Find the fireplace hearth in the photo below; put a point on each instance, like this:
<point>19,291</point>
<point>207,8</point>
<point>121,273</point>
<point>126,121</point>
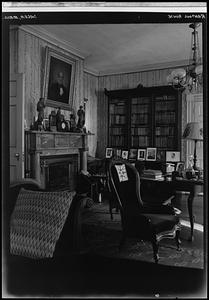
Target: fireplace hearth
<point>59,172</point>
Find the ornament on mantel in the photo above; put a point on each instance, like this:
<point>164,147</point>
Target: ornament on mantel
<point>139,86</point>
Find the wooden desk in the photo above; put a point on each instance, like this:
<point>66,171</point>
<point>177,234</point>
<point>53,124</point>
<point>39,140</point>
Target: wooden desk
<point>163,189</point>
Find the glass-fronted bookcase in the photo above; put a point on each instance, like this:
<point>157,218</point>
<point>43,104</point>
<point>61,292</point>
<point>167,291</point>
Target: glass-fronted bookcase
<point>144,117</point>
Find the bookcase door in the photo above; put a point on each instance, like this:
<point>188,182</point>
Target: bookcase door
<point>165,121</point>
<point>141,131</point>
<point>118,123</point>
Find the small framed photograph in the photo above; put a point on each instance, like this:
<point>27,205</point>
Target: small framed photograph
<point>151,154</point>
<point>170,168</point>
<point>118,152</point>
<point>180,167</point>
<point>109,152</point>
<point>133,154</point>
<point>172,156</point>
<point>125,154</point>
<point>161,155</point>
<point>141,154</point>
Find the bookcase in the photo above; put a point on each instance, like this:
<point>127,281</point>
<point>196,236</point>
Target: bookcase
<point>144,117</point>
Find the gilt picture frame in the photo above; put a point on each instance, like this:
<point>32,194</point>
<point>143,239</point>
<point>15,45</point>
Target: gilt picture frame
<point>59,79</point>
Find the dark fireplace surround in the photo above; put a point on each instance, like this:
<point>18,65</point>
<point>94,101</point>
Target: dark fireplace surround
<point>55,159</point>
<point>59,172</point>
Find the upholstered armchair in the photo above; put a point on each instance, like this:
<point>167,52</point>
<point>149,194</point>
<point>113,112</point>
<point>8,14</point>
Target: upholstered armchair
<point>141,220</point>
<point>43,224</point>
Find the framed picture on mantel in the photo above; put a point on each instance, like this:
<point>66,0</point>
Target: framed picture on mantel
<point>59,79</point>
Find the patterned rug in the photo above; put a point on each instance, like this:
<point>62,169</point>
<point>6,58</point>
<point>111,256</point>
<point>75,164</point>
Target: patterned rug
<point>101,236</point>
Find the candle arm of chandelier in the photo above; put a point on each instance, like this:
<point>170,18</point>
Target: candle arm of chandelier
<point>192,75</point>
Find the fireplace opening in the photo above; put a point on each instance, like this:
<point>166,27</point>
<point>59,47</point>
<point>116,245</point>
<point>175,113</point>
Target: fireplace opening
<point>58,176</point>
<point>61,172</point>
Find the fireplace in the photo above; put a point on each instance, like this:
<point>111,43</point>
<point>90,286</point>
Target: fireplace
<point>54,159</point>
<point>59,172</point>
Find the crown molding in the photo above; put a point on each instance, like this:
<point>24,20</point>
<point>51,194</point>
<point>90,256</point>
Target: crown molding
<point>144,68</point>
<point>91,71</point>
<point>38,31</point>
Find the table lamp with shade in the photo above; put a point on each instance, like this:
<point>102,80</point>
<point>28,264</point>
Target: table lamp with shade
<point>193,131</point>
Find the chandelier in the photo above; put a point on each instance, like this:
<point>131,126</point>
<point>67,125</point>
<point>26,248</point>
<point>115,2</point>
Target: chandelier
<point>190,77</point>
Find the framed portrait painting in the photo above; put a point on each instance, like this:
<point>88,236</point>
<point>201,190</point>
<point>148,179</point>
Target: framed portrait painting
<point>59,79</point>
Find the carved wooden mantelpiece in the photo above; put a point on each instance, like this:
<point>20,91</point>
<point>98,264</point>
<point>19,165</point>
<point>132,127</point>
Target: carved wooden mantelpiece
<point>42,145</point>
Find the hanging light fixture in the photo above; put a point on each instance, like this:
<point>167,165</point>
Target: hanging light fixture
<point>190,77</point>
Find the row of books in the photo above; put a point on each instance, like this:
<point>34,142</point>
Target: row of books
<point>118,119</point>
<point>141,100</point>
<point>165,98</point>
<point>167,118</point>
<point>140,130</point>
<point>164,142</point>
<point>165,106</point>
<point>140,118</point>
<point>117,109</point>
<point>117,131</point>
<point>140,108</point>
<point>165,130</point>
<point>117,140</point>
<point>142,141</point>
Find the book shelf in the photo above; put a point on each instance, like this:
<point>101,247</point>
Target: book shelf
<point>144,117</point>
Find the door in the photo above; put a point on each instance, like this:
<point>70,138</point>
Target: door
<point>16,109</point>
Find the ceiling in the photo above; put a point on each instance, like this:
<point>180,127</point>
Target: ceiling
<point>118,48</point>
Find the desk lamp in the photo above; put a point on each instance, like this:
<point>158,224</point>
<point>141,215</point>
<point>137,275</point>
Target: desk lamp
<point>194,132</point>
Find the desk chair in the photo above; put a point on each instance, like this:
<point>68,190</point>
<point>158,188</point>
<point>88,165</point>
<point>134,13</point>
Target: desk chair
<point>141,220</point>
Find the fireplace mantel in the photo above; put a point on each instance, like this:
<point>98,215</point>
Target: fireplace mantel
<point>40,145</point>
